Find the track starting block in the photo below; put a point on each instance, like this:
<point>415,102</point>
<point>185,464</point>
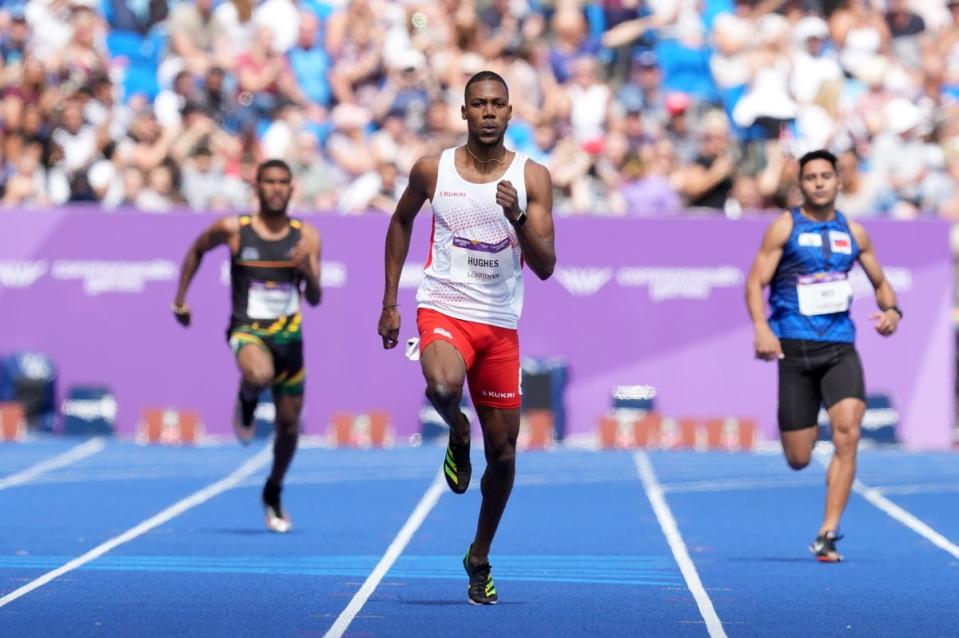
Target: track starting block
<point>536,430</point>
<point>363,430</point>
<point>626,428</point>
<point>169,426</point>
<point>13,421</point>
<point>641,429</point>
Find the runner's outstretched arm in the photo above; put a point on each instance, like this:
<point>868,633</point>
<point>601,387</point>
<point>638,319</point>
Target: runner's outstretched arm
<point>398,245</point>
<point>766,344</point>
<point>219,233</point>
<point>887,319</point>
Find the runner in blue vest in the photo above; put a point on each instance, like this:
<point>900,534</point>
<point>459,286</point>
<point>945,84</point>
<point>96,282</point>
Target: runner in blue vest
<point>805,258</point>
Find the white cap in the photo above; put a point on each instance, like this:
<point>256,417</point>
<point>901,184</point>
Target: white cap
<point>810,27</point>
<point>901,115</point>
<point>408,59</point>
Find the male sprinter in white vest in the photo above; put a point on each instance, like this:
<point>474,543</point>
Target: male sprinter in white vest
<point>805,259</point>
<point>492,213</point>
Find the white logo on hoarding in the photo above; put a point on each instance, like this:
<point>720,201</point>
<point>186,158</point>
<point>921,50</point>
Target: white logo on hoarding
<point>679,283</point>
<point>333,274</point>
<point>583,282</point>
<point>114,276</point>
<point>21,274</point>
<point>90,409</point>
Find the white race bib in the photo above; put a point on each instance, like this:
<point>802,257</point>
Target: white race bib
<point>269,300</point>
<point>475,262</point>
<point>824,293</point>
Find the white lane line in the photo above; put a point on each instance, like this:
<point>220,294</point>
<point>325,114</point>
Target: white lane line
<point>906,518</point>
<point>918,488</point>
<point>78,453</point>
<point>671,530</point>
<point>422,510</point>
<point>895,512</point>
<point>736,484</point>
<point>255,463</point>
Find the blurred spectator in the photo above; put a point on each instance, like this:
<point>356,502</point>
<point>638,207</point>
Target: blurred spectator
<point>811,64</point>
<point>213,97</point>
<point>264,80</point>
<point>28,86</point>
<point>709,180</point>
<point>861,32</point>
<point>193,33</point>
<point>310,62</point>
<point>159,195</point>
<point>282,18</point>
<point>202,177</point>
<point>78,141</point>
<point>624,101</point>
<point>33,185</point>
<point>314,177</point>
<point>234,29</point>
<point>900,158</point>
<point>678,128</point>
<point>84,56</point>
<point>170,102</point>
<point>647,188</point>
<point>13,45</point>
<point>767,101</point>
<point>588,102</point>
<point>571,40</point>
<point>858,192</point>
<point>347,144</point>
<point>406,91</point>
<point>355,40</point>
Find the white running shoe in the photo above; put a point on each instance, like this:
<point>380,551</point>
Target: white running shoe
<point>277,521</point>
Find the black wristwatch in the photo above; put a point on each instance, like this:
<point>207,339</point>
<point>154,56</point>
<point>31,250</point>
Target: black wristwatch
<point>897,309</point>
<point>520,219</point>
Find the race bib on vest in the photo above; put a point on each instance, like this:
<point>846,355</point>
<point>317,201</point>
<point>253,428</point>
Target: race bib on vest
<point>476,262</point>
<point>824,293</point>
<point>269,300</point>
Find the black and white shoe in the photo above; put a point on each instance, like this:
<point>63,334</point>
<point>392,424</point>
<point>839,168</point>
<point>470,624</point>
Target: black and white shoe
<point>824,547</point>
<point>277,520</point>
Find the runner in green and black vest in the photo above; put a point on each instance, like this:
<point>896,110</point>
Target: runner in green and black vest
<point>275,261</point>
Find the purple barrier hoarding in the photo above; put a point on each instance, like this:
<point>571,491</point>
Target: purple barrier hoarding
<point>633,301</point>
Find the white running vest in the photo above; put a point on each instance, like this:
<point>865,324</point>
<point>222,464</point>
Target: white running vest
<point>474,270</point>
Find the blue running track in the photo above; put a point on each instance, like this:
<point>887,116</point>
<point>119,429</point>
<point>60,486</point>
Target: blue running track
<point>581,550</point>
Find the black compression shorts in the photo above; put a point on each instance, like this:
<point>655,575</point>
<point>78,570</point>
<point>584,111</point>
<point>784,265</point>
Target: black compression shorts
<point>813,373</point>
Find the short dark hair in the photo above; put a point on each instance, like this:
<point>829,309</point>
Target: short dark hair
<point>272,163</point>
<point>482,76</point>
<point>822,154</point>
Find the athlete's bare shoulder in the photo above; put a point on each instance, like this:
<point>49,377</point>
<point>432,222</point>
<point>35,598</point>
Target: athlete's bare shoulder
<point>224,230</point>
<point>858,232</point>
<point>229,223</point>
<point>309,230</point>
<point>538,179</point>
<point>424,173</point>
<point>782,226</point>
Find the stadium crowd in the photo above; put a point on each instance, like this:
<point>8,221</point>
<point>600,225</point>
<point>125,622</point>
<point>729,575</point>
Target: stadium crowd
<point>638,107</point>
